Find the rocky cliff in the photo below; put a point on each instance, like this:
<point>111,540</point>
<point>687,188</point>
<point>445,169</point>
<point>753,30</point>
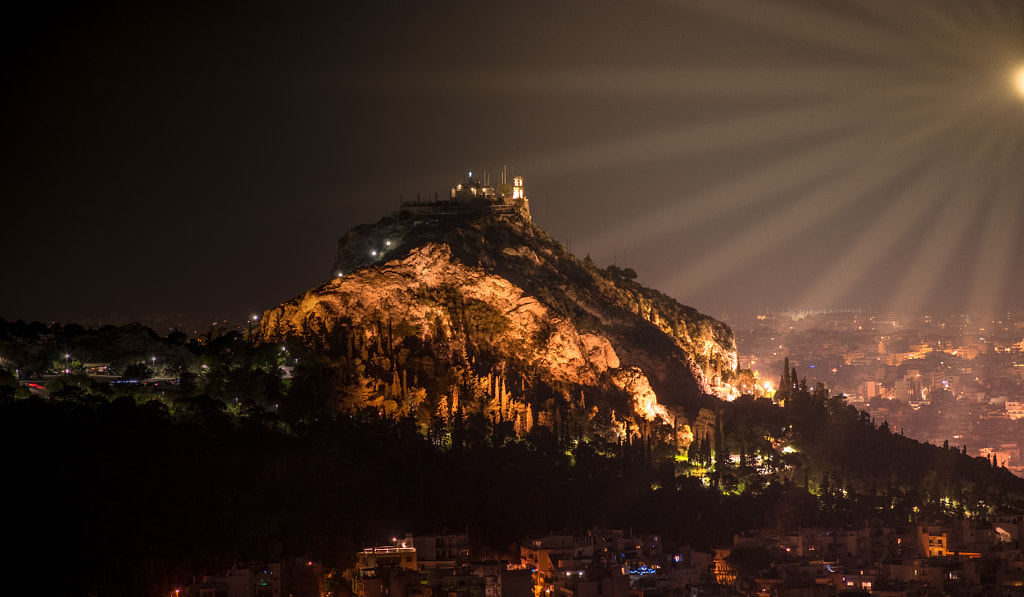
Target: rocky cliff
<point>495,295</point>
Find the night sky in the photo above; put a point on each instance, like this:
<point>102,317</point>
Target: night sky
<point>203,158</point>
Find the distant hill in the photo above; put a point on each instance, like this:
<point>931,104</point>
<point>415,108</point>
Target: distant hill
<point>525,318</point>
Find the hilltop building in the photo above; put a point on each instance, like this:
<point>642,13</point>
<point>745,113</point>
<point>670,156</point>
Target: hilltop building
<point>478,196</point>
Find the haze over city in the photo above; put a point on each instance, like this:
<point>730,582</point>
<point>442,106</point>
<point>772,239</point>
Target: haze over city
<point>195,158</point>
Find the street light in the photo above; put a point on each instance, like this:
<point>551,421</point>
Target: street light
<point>252,318</point>
<point>66,368</point>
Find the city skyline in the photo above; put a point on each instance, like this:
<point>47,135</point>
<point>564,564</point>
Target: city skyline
<point>738,156</point>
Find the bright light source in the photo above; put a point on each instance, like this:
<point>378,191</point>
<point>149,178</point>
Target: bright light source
<point>1018,80</point>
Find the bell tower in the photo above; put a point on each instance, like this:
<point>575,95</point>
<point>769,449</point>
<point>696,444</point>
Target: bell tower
<point>519,197</point>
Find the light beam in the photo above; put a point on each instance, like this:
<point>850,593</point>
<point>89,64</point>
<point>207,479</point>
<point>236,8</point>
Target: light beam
<point>1018,80</point>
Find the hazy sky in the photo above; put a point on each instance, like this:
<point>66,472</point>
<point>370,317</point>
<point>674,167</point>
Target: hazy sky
<point>177,157</point>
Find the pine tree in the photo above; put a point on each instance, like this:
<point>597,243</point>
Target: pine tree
<point>693,451</point>
<point>458,428</point>
<point>783,393</point>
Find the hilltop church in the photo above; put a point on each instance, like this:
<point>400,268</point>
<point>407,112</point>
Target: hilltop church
<point>506,198</point>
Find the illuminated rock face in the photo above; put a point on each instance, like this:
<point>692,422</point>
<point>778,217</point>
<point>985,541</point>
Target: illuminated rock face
<point>645,402</point>
<point>500,290</point>
<point>423,291</point>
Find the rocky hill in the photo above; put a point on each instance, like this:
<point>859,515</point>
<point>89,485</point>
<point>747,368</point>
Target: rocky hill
<point>535,325</point>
